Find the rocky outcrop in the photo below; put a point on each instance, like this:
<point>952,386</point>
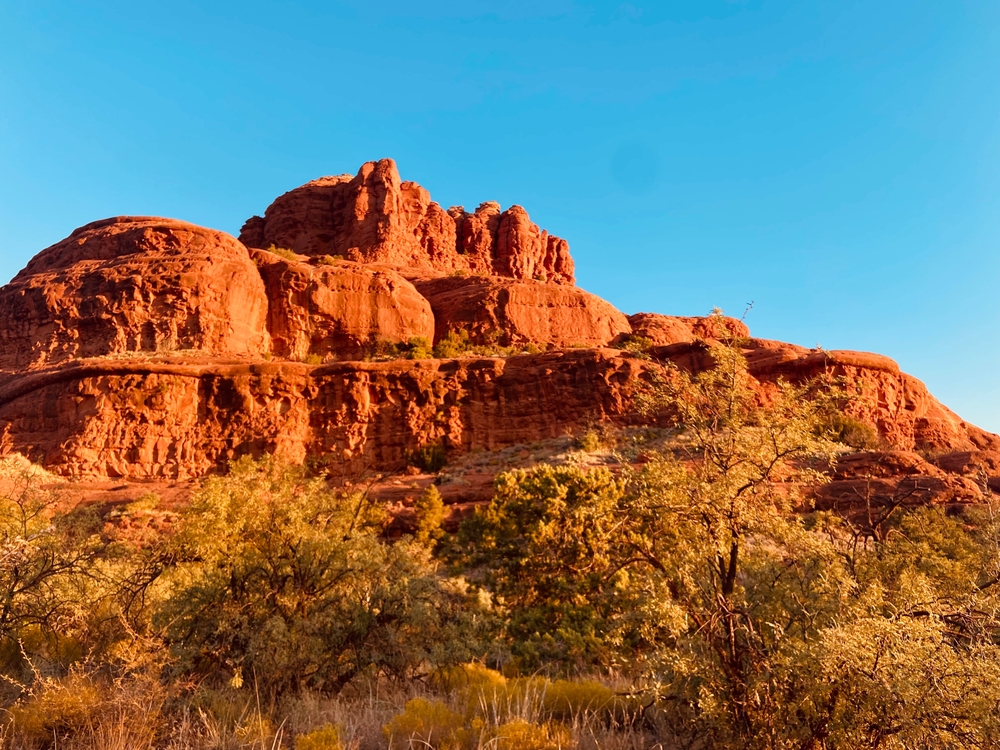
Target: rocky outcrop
<point>875,484</point>
<point>133,285</point>
<point>181,418</point>
<point>150,349</point>
<point>663,330</point>
<point>495,310</point>
<point>338,310</point>
<point>375,217</point>
<point>898,405</point>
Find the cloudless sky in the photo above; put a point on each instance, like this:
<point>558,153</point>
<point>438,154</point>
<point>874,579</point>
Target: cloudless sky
<point>836,162</point>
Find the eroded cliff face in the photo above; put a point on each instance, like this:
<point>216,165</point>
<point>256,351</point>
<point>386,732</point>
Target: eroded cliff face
<point>129,285</point>
<point>374,217</point>
<point>150,349</point>
<point>340,309</point>
<point>508,312</point>
<point>181,418</point>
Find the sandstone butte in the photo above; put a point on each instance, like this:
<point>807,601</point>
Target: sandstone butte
<point>144,350</point>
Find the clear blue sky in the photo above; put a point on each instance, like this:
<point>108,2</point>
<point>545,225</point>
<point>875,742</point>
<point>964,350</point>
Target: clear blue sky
<point>836,162</point>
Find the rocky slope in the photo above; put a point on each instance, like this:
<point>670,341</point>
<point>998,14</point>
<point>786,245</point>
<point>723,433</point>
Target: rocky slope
<point>142,348</point>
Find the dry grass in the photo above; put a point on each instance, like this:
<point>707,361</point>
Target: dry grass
<point>79,714</point>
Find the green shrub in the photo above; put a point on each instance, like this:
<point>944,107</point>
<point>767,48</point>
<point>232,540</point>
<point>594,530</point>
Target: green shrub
<point>430,458</point>
<point>455,344</point>
<point>312,359</point>
<point>590,441</point>
<point>851,431</point>
<point>283,579</point>
<point>430,513</point>
<point>635,344</point>
<point>419,348</point>
<point>380,349</point>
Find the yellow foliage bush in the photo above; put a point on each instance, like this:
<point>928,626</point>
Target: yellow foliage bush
<point>522,735</point>
<point>566,698</point>
<point>430,722</point>
<point>469,677</point>
<point>56,706</point>
<point>324,738</point>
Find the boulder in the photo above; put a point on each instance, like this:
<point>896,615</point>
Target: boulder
<point>133,285</point>
<point>497,310</point>
<point>663,330</point>
<point>338,309</point>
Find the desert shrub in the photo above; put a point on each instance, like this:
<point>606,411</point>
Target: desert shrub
<point>50,579</point>
<point>431,458</point>
<point>282,579</point>
<point>380,349</point>
<point>541,543</point>
<point>453,345</point>
<point>283,252</point>
<point>635,344</point>
<point>851,431</point>
<point>328,260</point>
<point>564,699</point>
<point>419,348</point>
<point>312,359</point>
<point>752,626</point>
<point>519,734</point>
<point>429,723</point>
<point>457,344</point>
<point>324,738</point>
<point>81,710</point>
<point>430,513</point>
<point>590,441</point>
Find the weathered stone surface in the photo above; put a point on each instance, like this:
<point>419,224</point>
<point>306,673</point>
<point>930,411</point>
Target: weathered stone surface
<point>982,467</point>
<point>874,483</point>
<point>664,330</point>
<point>511,313</point>
<point>898,405</point>
<point>147,348</point>
<point>338,310</point>
<point>375,217</point>
<point>179,418</point>
<point>130,285</point>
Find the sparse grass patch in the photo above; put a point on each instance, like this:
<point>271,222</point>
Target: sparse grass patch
<point>283,252</point>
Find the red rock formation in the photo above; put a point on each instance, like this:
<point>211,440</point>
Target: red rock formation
<point>664,330</point>
<point>339,310</point>
<point>898,405</point>
<point>181,418</point>
<point>513,313</point>
<point>130,285</point>
<point>875,483</point>
<point>190,317</point>
<point>376,218</point>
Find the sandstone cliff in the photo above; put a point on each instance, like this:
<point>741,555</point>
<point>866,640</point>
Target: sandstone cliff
<point>375,217</point>
<point>146,348</point>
